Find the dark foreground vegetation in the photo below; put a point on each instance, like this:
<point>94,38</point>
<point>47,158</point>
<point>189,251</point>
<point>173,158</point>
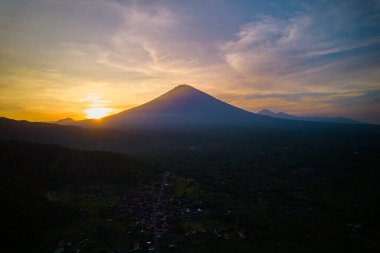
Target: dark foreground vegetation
<point>38,179</point>
<point>299,189</point>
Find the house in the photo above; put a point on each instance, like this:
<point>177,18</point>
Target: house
<point>136,246</point>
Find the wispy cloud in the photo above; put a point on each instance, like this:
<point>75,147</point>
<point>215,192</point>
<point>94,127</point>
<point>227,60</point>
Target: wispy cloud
<point>300,52</point>
<point>291,56</point>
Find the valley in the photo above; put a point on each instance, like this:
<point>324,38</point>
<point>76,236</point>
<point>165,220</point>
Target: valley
<point>104,202</point>
<point>236,182</point>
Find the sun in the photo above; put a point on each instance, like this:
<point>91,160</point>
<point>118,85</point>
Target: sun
<point>97,113</point>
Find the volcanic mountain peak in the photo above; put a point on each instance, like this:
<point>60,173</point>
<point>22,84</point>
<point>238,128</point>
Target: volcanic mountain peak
<point>183,91</point>
<point>184,88</point>
<point>182,106</point>
<point>183,99</point>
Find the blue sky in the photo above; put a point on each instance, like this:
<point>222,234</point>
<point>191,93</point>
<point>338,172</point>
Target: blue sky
<point>60,58</point>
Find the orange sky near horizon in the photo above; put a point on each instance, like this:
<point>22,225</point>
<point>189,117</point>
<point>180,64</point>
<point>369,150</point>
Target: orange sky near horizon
<point>86,59</point>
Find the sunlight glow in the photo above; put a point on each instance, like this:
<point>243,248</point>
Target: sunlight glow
<point>97,113</point>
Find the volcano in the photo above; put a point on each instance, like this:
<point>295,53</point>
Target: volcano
<point>182,107</point>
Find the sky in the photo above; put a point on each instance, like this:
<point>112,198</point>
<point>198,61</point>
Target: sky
<point>88,58</point>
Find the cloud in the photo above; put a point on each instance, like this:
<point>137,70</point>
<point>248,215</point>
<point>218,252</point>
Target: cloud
<point>295,57</point>
<point>129,53</point>
<point>315,50</point>
<point>260,43</point>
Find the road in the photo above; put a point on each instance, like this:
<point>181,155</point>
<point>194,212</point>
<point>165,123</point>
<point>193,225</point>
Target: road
<point>157,207</point>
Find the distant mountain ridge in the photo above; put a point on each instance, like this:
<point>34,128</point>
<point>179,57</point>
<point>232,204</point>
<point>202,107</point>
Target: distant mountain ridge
<point>186,107</point>
<point>66,121</point>
<point>282,115</point>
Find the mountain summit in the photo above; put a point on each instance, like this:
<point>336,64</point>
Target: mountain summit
<point>184,106</point>
<point>185,99</point>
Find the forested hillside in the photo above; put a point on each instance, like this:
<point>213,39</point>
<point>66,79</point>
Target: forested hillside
<point>29,172</point>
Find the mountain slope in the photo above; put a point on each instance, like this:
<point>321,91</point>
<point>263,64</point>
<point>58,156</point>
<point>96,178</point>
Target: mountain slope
<point>183,106</point>
<point>186,107</point>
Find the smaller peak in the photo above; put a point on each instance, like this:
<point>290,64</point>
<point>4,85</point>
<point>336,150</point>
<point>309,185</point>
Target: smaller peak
<point>66,120</point>
<point>264,111</point>
<point>283,114</point>
<point>267,112</point>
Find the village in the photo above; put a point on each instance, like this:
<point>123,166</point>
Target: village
<point>155,218</point>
